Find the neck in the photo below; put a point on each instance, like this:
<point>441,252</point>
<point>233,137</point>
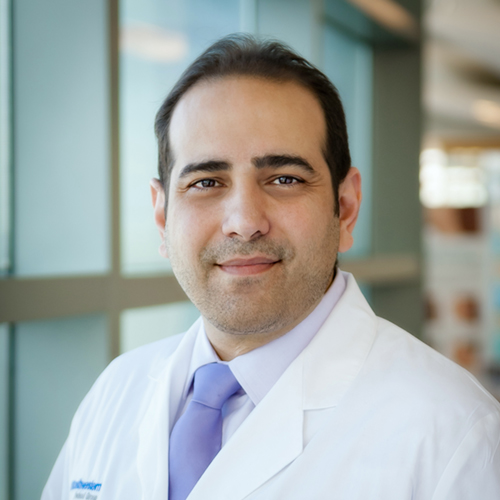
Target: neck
<point>230,345</point>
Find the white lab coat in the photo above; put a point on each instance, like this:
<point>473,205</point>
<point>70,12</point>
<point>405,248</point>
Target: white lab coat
<point>366,412</point>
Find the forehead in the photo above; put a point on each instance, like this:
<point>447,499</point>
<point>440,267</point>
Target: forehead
<point>241,117</point>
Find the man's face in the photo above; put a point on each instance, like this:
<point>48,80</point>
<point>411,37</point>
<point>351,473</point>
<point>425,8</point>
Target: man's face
<point>251,232</point>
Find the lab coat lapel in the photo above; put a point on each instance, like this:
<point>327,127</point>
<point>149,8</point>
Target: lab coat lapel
<point>268,440</point>
<point>273,434</point>
<point>337,353</point>
<point>168,377</point>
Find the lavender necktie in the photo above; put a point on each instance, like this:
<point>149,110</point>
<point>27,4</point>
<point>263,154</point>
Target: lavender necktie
<point>197,436</point>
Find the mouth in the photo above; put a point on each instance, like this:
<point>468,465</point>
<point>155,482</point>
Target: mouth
<point>247,266</point>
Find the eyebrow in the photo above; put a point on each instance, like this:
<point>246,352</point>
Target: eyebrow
<point>204,166</point>
<point>267,161</point>
<point>278,161</point>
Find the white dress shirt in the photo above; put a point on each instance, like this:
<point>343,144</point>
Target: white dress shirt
<point>258,370</point>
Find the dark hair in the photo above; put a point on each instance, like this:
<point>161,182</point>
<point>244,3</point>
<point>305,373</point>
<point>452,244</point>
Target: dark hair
<point>242,54</point>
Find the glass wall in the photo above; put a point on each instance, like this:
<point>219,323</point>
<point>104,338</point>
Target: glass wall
<point>4,410</point>
<point>348,63</point>
<point>54,223</point>
<point>148,324</point>
<point>4,136</point>
<point>5,212</point>
<point>61,145</point>
<point>294,22</point>
<point>56,362</point>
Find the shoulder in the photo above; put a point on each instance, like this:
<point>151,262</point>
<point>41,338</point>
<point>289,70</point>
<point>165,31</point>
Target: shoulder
<point>399,370</point>
<point>426,379</point>
<point>127,378</point>
<point>144,358</point>
<point>138,364</point>
<point>453,418</point>
<point>120,395</point>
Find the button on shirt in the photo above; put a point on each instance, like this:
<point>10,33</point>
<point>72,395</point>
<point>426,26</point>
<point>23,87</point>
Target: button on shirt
<point>258,370</point>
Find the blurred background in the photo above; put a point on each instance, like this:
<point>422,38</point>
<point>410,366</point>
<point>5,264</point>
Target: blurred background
<point>81,280</point>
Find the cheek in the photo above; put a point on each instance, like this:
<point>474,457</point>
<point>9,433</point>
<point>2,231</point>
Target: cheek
<point>190,228</point>
<point>307,222</point>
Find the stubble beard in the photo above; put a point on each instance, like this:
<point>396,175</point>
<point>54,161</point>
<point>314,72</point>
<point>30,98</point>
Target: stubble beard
<point>263,303</point>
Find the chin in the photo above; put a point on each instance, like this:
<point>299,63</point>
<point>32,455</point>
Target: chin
<point>248,326</point>
<point>238,314</point>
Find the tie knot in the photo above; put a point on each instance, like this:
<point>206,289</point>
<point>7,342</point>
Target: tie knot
<point>214,384</point>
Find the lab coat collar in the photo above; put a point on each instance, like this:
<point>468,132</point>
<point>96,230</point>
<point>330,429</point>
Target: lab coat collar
<point>336,355</point>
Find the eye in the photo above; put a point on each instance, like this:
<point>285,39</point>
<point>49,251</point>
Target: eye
<point>205,184</point>
<point>286,179</point>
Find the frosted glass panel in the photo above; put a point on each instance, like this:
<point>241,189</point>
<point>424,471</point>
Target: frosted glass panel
<point>148,324</point>
<point>348,64</point>
<point>159,38</point>
<point>292,22</point>
<point>56,363</point>
<point>4,411</point>
<point>61,137</point>
<point>5,99</point>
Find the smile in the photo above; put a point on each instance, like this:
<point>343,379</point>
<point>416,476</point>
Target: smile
<point>247,267</point>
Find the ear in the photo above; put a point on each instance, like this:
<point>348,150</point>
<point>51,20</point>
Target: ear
<point>349,203</point>
<point>158,198</point>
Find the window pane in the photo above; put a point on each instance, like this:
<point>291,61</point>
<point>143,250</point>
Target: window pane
<point>159,39</point>
<point>4,409</point>
<point>148,324</point>
<point>61,137</point>
<point>5,137</point>
<point>348,63</point>
<point>292,22</point>
<point>56,363</point>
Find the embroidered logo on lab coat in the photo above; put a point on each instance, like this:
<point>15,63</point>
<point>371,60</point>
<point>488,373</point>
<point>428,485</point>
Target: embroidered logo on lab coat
<point>83,490</point>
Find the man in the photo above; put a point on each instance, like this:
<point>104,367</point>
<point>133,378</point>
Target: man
<point>288,387</point>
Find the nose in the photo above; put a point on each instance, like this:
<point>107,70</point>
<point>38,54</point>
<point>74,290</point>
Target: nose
<point>246,215</point>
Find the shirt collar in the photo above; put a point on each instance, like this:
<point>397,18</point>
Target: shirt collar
<point>258,370</point>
